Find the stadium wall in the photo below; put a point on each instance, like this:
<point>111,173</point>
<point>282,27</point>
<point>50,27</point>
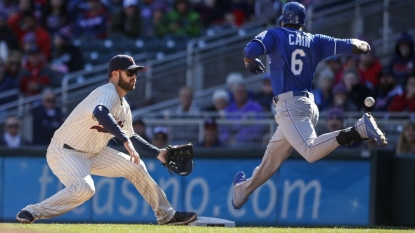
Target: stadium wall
<point>347,188</point>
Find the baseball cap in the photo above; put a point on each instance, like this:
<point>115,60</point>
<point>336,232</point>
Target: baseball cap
<point>339,88</point>
<point>335,112</point>
<point>210,122</point>
<point>123,62</point>
<point>160,129</point>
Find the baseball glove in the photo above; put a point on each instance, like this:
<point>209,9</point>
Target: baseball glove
<point>179,159</point>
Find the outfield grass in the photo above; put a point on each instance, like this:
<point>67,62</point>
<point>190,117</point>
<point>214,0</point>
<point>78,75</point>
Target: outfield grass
<point>127,228</point>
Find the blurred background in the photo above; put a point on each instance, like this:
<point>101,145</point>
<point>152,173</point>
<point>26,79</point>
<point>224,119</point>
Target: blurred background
<point>195,88</point>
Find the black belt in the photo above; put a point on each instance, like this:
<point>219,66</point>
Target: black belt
<point>295,93</point>
<point>66,146</point>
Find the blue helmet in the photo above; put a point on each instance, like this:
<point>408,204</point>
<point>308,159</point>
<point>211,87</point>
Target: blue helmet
<point>293,13</point>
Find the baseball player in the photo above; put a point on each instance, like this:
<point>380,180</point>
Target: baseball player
<point>79,149</point>
<point>294,56</point>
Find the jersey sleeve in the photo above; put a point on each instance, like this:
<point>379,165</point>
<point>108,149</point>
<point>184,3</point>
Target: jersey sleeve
<point>267,40</point>
<point>329,46</point>
<point>105,97</point>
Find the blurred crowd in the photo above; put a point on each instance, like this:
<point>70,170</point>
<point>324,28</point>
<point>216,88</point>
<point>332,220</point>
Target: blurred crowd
<point>37,49</point>
<point>36,36</point>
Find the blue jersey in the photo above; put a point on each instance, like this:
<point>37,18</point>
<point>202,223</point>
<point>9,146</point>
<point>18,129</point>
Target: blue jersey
<point>294,56</point>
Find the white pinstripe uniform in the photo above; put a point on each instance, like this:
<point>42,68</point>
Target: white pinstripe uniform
<point>74,167</point>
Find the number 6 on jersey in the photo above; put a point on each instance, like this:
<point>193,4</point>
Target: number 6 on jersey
<point>297,64</point>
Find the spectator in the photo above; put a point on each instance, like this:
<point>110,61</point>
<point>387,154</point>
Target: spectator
<point>220,101</point>
<point>160,137</point>
<point>351,63</point>
<point>334,64</point>
<point>386,91</point>
<point>232,80</point>
<point>406,101</point>
<point>187,106</point>
<point>323,94</point>
<point>152,13</point>
<point>8,40</point>
<point>406,142</point>
<point>242,108</point>
<point>369,67</point>
<point>35,76</point>
<point>11,137</point>
<point>92,23</point>
<point>7,83</point>
<point>47,118</point>
<point>181,20</point>
<point>341,99</point>
<point>356,91</point>
<point>26,22</point>
<point>55,15</point>
<point>127,20</point>
<point>210,135</point>
<point>264,97</point>
<point>14,64</point>
<point>334,119</point>
<point>67,57</point>
<point>403,61</point>
<point>140,128</point>
<point>239,13</point>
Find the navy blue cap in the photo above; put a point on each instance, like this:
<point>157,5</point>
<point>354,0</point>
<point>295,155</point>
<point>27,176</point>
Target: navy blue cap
<point>123,62</point>
<point>335,112</point>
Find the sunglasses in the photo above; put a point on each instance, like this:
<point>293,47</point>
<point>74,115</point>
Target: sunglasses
<point>130,73</point>
<point>12,126</point>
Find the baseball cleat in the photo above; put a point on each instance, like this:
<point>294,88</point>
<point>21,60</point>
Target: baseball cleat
<point>25,217</point>
<point>182,218</point>
<point>239,177</point>
<point>373,131</point>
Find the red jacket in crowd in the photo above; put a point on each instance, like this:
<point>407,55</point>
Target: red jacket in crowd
<point>372,73</point>
<point>38,76</point>
<point>42,36</point>
<point>401,103</point>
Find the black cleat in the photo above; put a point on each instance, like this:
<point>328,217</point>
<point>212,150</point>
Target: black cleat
<point>182,218</point>
<point>25,217</point>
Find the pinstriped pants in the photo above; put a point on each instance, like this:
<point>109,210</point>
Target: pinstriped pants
<point>296,118</point>
<point>74,169</point>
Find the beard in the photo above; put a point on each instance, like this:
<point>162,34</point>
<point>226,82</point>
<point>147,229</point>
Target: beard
<point>126,86</point>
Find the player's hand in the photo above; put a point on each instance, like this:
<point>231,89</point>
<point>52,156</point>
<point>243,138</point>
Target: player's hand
<point>368,48</point>
<point>134,156</point>
<point>255,66</point>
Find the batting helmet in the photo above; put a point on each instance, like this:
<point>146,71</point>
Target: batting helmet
<point>293,13</point>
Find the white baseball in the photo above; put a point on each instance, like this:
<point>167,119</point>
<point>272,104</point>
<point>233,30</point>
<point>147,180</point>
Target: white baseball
<point>369,101</point>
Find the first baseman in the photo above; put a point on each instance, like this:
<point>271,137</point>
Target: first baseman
<point>79,149</point>
<point>294,56</point>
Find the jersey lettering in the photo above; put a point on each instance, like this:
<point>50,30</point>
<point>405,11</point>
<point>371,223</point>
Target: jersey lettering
<point>297,64</point>
<point>299,40</point>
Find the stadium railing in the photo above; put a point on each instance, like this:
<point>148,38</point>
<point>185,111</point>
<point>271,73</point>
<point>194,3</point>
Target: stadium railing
<point>186,128</point>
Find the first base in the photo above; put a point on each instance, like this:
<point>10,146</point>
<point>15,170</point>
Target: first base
<point>212,222</point>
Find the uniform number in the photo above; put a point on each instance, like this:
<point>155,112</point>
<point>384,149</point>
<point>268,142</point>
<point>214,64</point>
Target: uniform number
<point>297,64</point>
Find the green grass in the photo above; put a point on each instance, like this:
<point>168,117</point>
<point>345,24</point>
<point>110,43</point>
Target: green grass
<point>127,228</point>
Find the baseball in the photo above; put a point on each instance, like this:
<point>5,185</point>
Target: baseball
<point>369,101</point>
